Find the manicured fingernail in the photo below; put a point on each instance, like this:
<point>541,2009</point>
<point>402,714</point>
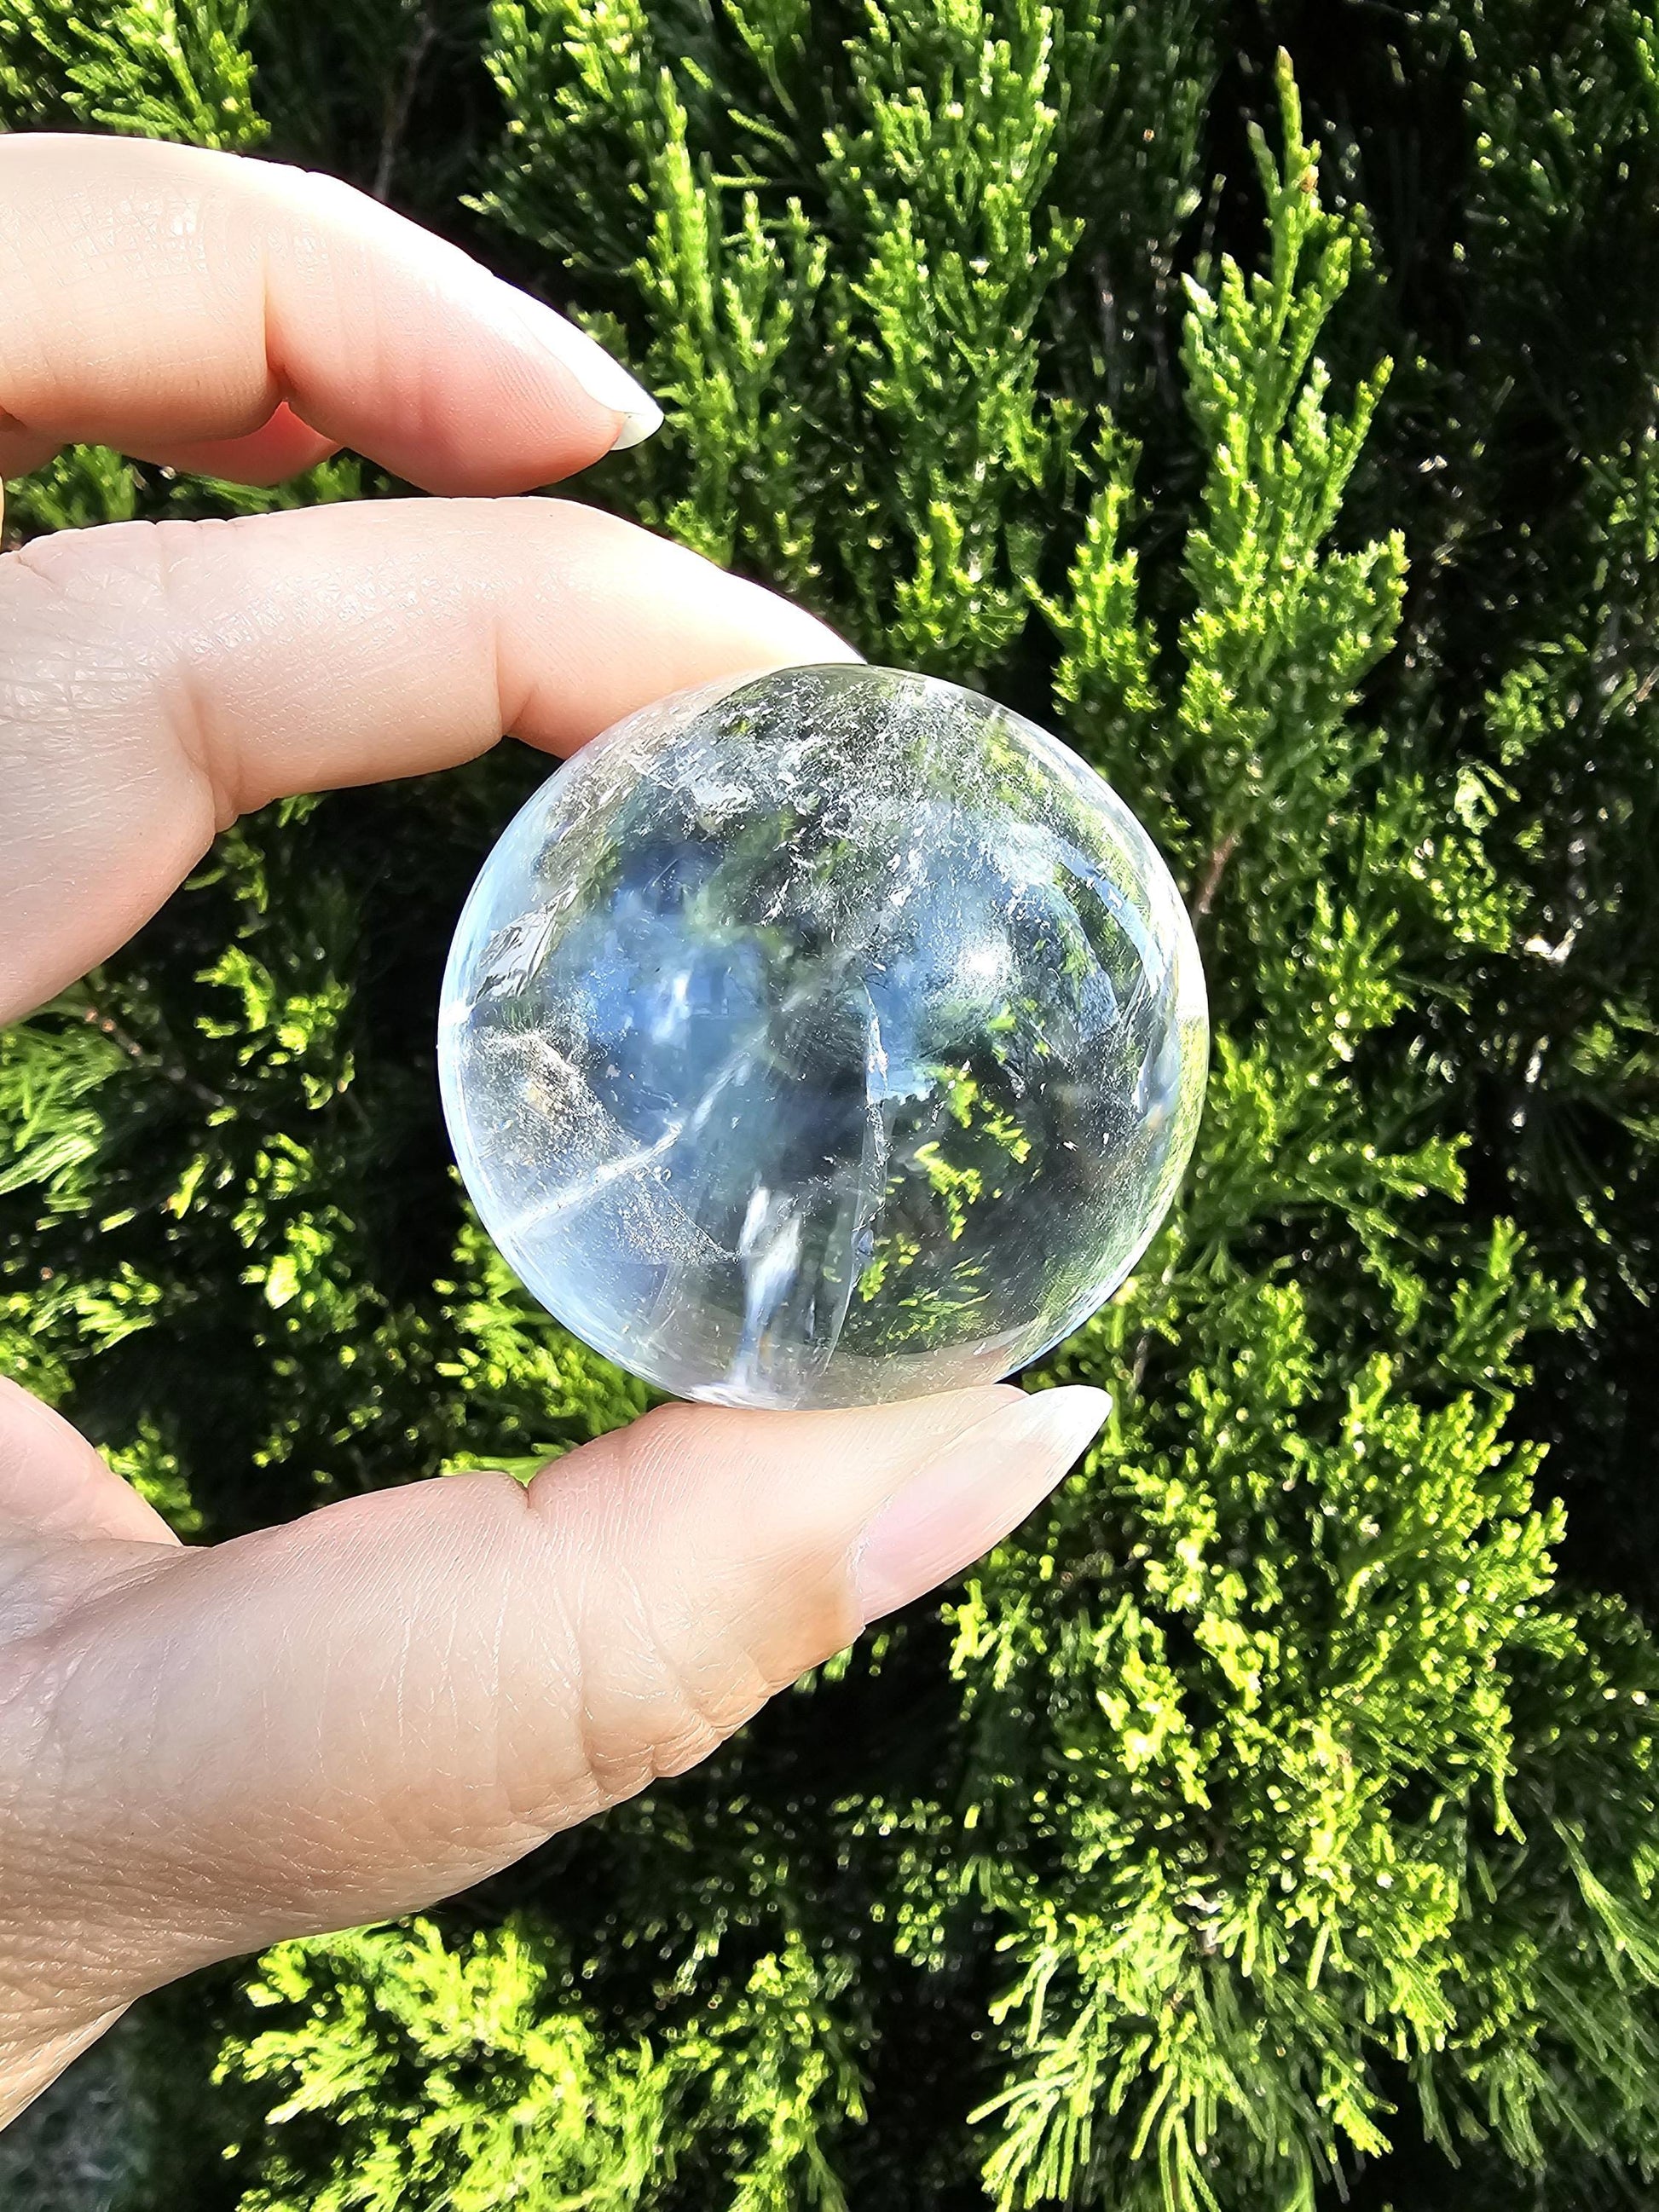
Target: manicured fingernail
<point>956,1507</point>
<point>600,375</point>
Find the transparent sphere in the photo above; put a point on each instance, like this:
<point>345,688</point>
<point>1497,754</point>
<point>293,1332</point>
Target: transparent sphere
<point>826,1037</point>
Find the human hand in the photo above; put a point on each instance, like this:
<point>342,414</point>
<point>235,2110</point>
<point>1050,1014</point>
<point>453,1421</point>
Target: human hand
<point>202,1750</point>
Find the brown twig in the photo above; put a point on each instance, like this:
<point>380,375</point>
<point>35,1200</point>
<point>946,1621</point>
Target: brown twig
<point>1218,868</point>
<point>109,1027</point>
<point>401,101</point>
<point>1137,1365</point>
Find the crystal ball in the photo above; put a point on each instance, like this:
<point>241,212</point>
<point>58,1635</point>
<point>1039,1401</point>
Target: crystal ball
<point>823,1037</point>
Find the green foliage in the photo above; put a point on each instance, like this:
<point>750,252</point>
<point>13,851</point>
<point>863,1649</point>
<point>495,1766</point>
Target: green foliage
<point>1279,1806</point>
<point>1283,628</point>
<point>928,148</point>
<point>450,2079</point>
<point>154,68</point>
<point>938,187</point>
<point>443,2083</point>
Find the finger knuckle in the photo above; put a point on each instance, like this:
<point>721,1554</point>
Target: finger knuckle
<point>662,1676</point>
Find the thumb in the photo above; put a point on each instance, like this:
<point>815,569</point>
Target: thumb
<point>345,1718</point>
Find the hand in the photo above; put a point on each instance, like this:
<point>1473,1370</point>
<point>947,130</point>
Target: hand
<point>203,1750</point>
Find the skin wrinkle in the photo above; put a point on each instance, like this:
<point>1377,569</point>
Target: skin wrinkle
<point>65,701</point>
<point>564,1786</point>
<point>496,1643</point>
<point>401,1669</point>
<point>739,1696</point>
<point>670,1739</point>
<point>671,1713</point>
<point>278,377</point>
<point>303,246</point>
<point>188,719</point>
<point>572,1789</point>
<point>619,1605</point>
<point>429,1710</point>
<point>447,1727</point>
<point>511,718</point>
<point>185,225</point>
<point>592,1784</point>
<point>252,1869</point>
<point>474,1651</point>
<point>139,1717</point>
<point>332,1677</point>
<point>142,1714</point>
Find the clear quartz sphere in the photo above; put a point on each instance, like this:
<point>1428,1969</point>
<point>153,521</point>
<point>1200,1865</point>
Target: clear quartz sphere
<point>822,1038</point>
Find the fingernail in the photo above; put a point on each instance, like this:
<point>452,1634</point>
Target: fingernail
<point>600,375</point>
<point>956,1507</point>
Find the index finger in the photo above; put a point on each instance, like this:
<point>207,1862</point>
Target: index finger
<point>242,319</point>
<point>158,679</point>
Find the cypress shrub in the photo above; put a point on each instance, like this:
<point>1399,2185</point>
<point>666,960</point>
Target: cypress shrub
<point>1265,397</point>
